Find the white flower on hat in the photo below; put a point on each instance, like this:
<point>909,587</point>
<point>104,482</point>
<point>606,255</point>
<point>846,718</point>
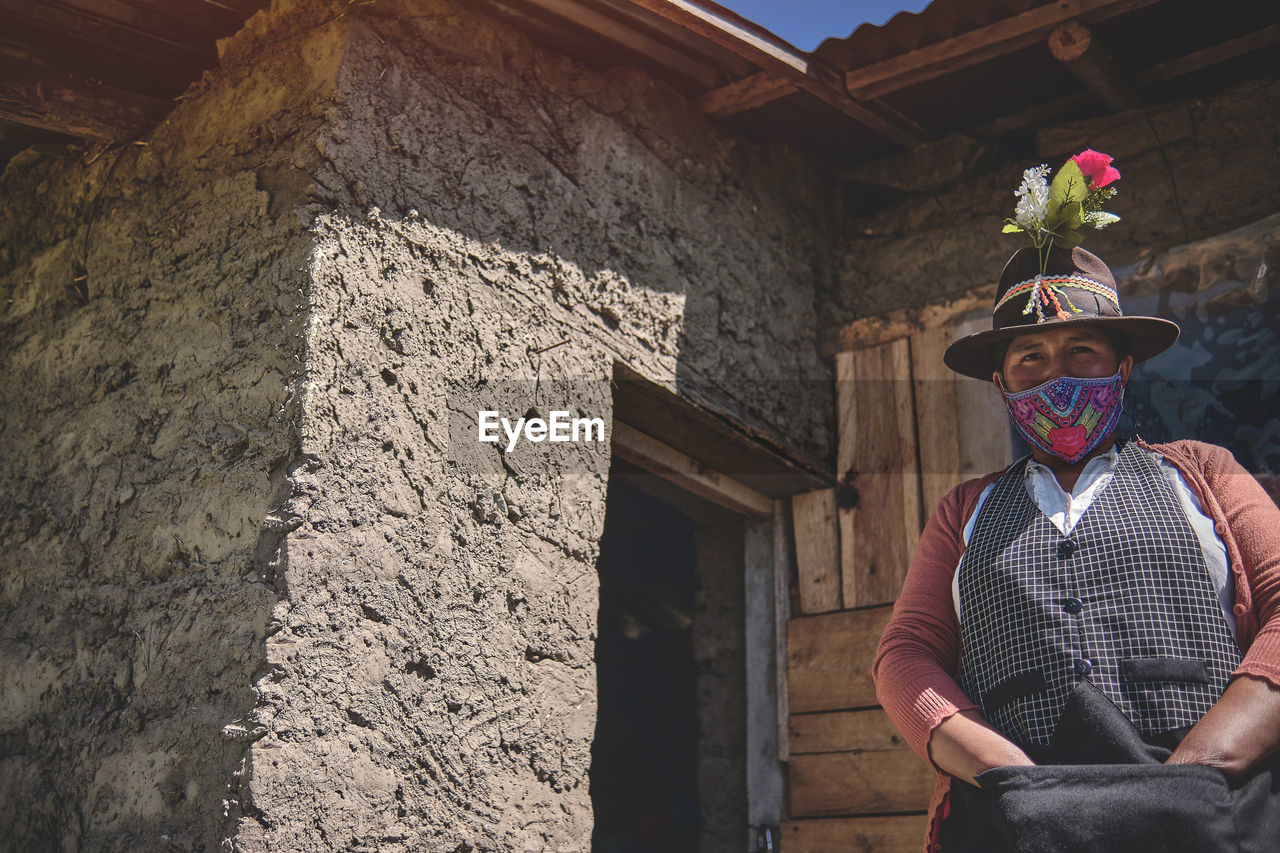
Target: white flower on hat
<point>1033,198</point>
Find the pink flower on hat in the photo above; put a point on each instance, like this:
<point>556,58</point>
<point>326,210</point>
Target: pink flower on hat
<point>1097,167</point>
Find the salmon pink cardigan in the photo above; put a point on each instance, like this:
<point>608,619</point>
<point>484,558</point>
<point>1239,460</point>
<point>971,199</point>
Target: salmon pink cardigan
<point>918,660</point>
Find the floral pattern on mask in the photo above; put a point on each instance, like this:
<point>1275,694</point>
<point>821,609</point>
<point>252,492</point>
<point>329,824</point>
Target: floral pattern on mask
<point>1067,417</point>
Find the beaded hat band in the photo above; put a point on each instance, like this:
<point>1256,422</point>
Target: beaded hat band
<point>1043,292</point>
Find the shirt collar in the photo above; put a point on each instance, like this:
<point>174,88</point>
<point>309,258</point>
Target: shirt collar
<point>1106,460</point>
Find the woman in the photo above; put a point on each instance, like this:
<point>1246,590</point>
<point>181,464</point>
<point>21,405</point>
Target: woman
<point>1087,645</point>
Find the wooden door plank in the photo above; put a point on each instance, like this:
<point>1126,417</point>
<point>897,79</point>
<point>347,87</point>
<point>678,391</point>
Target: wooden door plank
<point>829,659</point>
<point>782,561</point>
<point>936,420</point>
<point>876,460</point>
<point>844,731</point>
<point>897,834</point>
<point>817,535</point>
<point>835,783</point>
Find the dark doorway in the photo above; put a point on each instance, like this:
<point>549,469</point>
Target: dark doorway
<point>644,767</point>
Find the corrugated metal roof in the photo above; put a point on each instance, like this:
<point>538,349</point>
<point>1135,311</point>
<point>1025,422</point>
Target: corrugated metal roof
<point>908,31</point>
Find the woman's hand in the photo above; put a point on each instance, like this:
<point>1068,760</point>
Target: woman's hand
<point>1240,730</point>
<point>965,745</point>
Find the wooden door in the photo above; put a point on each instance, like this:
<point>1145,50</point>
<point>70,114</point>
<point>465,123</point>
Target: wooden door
<point>909,431</point>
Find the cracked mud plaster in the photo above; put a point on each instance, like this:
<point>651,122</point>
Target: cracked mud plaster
<point>260,587</point>
<point>151,343</point>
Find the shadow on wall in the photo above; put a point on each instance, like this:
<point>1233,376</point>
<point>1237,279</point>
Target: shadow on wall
<point>600,201</point>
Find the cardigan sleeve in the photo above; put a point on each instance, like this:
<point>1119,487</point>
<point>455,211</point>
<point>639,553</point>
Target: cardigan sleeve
<point>918,656</point>
<point>1252,528</point>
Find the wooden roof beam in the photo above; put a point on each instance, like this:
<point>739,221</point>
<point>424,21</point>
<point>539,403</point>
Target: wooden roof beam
<point>1265,37</point>
<point>587,19</point>
<point>1192,62</point>
<point>746,94</point>
<point>1090,62</point>
<point>776,59</point>
<point>975,46</point>
<point>686,472</point>
<point>64,103</point>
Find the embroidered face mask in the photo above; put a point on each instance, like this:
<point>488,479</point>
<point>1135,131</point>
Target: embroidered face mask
<point>1067,417</point>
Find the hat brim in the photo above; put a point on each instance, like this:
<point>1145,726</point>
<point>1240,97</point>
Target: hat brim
<point>1148,336</point>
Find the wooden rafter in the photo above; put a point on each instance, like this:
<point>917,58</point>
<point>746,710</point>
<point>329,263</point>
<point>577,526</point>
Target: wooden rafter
<point>1042,113</point>
<point>630,37</point>
<point>65,103</point>
<point>1088,59</point>
<point>1265,37</point>
<point>746,94</point>
<point>977,45</point>
<point>775,59</point>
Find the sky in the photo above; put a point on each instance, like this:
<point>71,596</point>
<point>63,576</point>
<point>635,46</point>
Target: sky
<point>805,23</point>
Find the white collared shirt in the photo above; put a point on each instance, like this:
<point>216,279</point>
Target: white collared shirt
<point>1065,509</point>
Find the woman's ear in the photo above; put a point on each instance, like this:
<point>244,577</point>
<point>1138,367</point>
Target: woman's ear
<point>1126,367</point>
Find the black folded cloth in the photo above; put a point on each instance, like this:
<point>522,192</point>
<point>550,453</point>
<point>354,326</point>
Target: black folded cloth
<point>1099,787</point>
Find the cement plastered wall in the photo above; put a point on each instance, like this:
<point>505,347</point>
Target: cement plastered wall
<point>151,337</point>
<point>505,225</point>
<point>1191,171</point>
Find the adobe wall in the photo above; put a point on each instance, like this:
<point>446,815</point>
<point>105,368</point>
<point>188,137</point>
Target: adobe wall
<point>261,583</point>
<point>505,226</point>
<point>151,342</point>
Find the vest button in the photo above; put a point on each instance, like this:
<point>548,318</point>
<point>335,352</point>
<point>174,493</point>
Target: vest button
<point>1083,667</point>
<point>1066,548</point>
<point>1072,606</point>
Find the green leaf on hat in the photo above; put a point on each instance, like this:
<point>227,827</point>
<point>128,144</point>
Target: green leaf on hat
<point>1069,186</point>
<point>1069,239</point>
<point>1072,215</point>
<point>1011,228</point>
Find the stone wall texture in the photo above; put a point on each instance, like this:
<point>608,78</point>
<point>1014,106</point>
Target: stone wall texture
<point>263,590</point>
<point>1191,171</point>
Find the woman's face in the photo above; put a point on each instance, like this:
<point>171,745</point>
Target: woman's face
<point>1078,350</point>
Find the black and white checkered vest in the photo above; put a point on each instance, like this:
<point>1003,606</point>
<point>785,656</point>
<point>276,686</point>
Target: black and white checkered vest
<point>1125,601</point>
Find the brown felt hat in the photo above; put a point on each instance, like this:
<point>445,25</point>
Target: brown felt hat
<point>1076,287</point>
